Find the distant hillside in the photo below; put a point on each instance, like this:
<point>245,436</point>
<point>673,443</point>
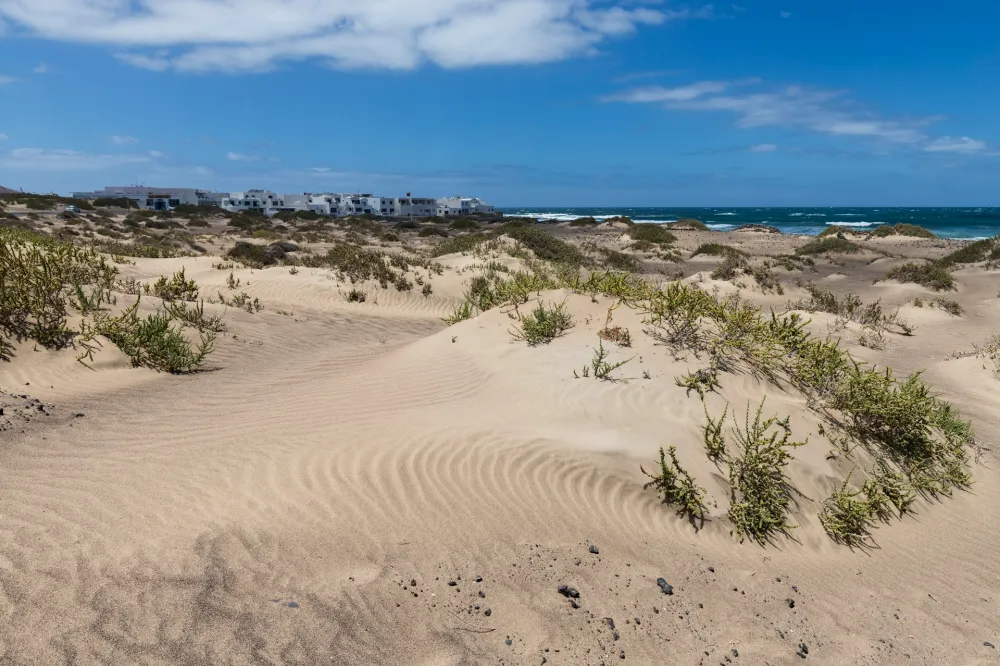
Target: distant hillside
<point>7,190</point>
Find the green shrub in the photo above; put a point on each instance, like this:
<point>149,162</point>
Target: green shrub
<point>543,325</point>
<point>951,307</point>
<point>835,230</point>
<point>729,268</point>
<point>931,275</point>
<point>828,245</point>
<point>544,245</point>
<point>713,435</point>
<point>846,517</point>
<point>653,233</point>
<point>599,365</point>
<point>116,202</point>
<point>464,224</point>
<point>43,282</point>
<point>620,261</point>
<point>152,342</point>
<point>432,231</point>
<point>688,224</point>
<point>983,250</point>
<point>677,487</point>
<point>760,492</point>
<point>583,222</point>
<point>717,250</point>
<point>138,249</point>
<point>177,288</point>
<point>251,254</point>
<point>702,381</point>
<point>460,244</point>
<point>902,229</point>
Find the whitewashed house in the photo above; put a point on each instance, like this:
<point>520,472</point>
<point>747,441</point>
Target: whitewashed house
<point>157,198</point>
<point>451,206</point>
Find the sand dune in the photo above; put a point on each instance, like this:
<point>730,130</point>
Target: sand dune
<point>313,497</point>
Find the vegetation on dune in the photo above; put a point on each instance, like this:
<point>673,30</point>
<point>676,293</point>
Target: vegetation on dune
<point>652,233</point>
<point>829,245</point>
<point>836,230</point>
<point>543,324</point>
<point>901,229</point>
<point>932,275</point>
<point>759,228</point>
<point>688,224</point>
<point>116,202</point>
<point>464,224</point>
<point>44,283</point>
<point>987,249</point>
<point>583,222</point>
<point>717,250</point>
<point>432,231</point>
<point>620,261</point>
<point>677,487</point>
<point>544,245</point>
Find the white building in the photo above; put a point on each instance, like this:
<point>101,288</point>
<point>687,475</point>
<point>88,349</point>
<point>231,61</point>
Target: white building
<point>261,201</point>
<point>415,207</point>
<point>450,206</point>
<point>157,198</point>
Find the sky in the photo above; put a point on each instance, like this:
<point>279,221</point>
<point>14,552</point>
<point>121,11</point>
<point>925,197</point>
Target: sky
<point>520,102</point>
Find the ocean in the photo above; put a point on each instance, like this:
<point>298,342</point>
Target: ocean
<point>961,223</point>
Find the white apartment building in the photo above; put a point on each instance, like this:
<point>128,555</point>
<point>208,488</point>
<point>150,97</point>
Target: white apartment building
<point>157,198</point>
<point>415,207</point>
<point>450,206</point>
<point>262,201</point>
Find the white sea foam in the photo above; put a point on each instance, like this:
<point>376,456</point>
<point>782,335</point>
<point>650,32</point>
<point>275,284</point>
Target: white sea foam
<point>848,214</point>
<point>815,214</point>
<point>852,224</point>
<point>720,227</point>
<point>796,214</point>
<point>727,213</point>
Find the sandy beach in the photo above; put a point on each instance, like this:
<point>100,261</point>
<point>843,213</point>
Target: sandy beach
<point>353,482</point>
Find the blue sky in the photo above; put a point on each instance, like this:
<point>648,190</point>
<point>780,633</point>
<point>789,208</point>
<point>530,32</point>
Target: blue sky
<point>522,102</point>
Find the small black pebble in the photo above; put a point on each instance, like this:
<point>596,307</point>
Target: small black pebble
<point>593,549</point>
<point>78,415</point>
<point>665,587</point>
<point>413,582</point>
<point>508,642</point>
<point>712,569</point>
<point>989,645</point>
<point>452,583</point>
<point>487,612</point>
<point>292,604</point>
<point>637,621</point>
<point>573,603</point>
<point>479,579</point>
<point>736,652</point>
<point>610,622</point>
<point>482,595</point>
<point>790,602</point>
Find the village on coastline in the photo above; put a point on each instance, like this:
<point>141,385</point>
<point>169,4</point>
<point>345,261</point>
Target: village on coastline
<point>271,203</point>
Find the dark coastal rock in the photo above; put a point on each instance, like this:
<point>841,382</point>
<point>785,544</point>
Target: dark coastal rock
<point>665,587</point>
<point>594,549</point>
<point>803,650</point>
<point>790,602</point>
<point>758,228</point>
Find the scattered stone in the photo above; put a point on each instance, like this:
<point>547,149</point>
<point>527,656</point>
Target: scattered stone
<point>803,650</point>
<point>570,592</point>
<point>573,603</point>
<point>487,611</point>
<point>790,602</point>
<point>509,642</point>
<point>610,622</point>
<point>292,604</point>
<point>482,595</point>
<point>594,549</point>
<point>452,583</point>
<point>78,415</point>
<point>637,621</point>
<point>665,587</point>
<point>479,579</point>
<point>712,569</point>
<point>736,652</point>
<point>989,645</point>
<point>413,582</point>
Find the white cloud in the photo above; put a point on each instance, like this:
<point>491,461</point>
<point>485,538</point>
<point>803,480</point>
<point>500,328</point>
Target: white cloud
<point>395,34</point>
<point>823,111</point>
<point>40,159</point>
<point>203,171</point>
<point>962,145</point>
<point>240,157</point>
<point>4,79</point>
<point>155,153</point>
<point>121,140</point>
<point>41,68</point>
<point>785,14</point>
<point>764,148</point>
<point>3,137</point>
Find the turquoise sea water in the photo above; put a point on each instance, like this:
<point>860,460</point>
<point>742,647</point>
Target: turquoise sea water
<point>945,222</point>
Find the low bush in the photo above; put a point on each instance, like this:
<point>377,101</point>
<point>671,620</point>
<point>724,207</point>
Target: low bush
<point>177,288</point>
<point>835,230</point>
<point>677,487</point>
<point>829,245</point>
<point>688,224</point>
<point>426,232</point>
<point>116,202</point>
<point>620,261</point>
<point>543,324</point>
<point>464,224</point>
<point>931,275</point>
<point>717,250</point>
<point>901,229</point>
<point>987,249</point>
<point>583,222</point>
<point>653,233</point>
<point>760,491</point>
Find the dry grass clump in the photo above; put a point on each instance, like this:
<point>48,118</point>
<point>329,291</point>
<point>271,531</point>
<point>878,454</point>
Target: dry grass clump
<point>933,275</point>
<point>717,250</point>
<point>851,307</point>
<point>464,224</point>
<point>836,230</point>
<point>688,224</point>
<point>427,232</point>
<point>987,249</point>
